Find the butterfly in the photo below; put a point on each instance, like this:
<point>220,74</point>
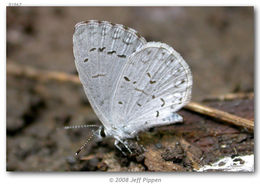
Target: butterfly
<point>132,85</point>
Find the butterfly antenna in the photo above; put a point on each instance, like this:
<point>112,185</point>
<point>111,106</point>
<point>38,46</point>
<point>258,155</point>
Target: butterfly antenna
<point>79,126</point>
<point>84,145</point>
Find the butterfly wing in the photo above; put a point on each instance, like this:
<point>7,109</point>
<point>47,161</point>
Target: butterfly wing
<point>154,84</point>
<point>101,50</point>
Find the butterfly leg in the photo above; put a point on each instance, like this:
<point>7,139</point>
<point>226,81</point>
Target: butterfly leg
<point>140,145</point>
<point>125,143</point>
<point>119,148</point>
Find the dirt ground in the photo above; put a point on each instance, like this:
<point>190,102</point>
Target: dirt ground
<point>217,43</point>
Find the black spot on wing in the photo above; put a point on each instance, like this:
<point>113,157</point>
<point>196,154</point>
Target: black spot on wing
<point>92,49</point>
<point>179,83</point>
<point>157,114</point>
<point>111,52</point>
<point>121,56</point>
<point>152,82</point>
<point>162,101</point>
<point>98,75</point>
<point>126,78</point>
<point>101,49</point>
<point>86,60</point>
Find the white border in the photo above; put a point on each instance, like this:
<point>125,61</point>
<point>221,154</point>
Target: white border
<point>85,178</point>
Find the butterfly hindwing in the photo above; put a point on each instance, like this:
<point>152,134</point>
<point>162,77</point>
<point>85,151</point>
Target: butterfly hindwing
<point>155,83</point>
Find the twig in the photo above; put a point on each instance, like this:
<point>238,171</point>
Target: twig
<point>221,115</point>
<point>91,156</point>
<point>40,75</point>
<point>230,96</point>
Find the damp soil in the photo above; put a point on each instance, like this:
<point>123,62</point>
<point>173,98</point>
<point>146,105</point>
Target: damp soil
<point>218,44</point>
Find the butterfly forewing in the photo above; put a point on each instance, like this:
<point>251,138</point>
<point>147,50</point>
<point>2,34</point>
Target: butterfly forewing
<point>101,50</point>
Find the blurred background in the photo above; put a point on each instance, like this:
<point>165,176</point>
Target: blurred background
<point>217,43</point>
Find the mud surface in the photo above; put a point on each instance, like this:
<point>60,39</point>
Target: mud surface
<point>218,44</point>
<point>181,147</point>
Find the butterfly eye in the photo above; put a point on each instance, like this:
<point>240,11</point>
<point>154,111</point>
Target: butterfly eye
<point>102,132</point>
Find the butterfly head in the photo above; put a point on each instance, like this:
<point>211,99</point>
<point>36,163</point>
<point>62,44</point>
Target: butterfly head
<point>100,133</point>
